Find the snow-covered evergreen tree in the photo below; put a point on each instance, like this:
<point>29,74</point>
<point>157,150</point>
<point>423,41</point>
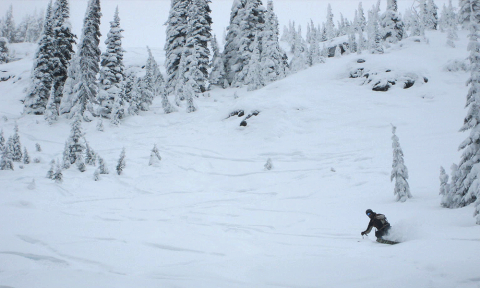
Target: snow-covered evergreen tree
<point>26,157</point>
<point>338,51</point>
<point>247,18</point>
<point>112,72</point>
<point>217,75</point>
<point>273,65</point>
<point>199,34</point>
<point>96,175</point>
<point>63,41</point>
<point>121,162</point>
<point>465,189</point>
<point>66,156</point>
<point>4,51</point>
<point>90,155</point>
<point>102,168</point>
<point>8,29</point>
<point>6,163</point>
<point>2,141</point>
<point>399,171</point>
<point>119,108</point>
<point>175,41</point>
<point>51,171</point>
<point>38,148</point>
<point>81,89</point>
<point>58,175</point>
<point>75,144</point>
<point>330,26</point>
<point>16,148</point>
<point>392,24</point>
<point>361,20</point>
<point>432,15</point>
<point>299,60</point>
<point>444,186</point>
<point>153,77</point>
<point>154,156</point>
<point>39,91</point>
<point>374,37</point>
<point>80,162</point>
<point>254,78</point>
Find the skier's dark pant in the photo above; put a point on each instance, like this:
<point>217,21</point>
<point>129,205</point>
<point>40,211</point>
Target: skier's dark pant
<point>382,232</point>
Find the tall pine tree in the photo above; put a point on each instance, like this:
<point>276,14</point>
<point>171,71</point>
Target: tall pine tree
<point>176,36</point>
<point>39,91</point>
<point>112,72</point>
<point>81,90</point>
<point>63,40</point>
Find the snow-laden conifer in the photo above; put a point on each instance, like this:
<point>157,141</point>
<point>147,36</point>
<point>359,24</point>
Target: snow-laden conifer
<point>63,52</point>
<point>199,33</point>
<point>96,175</point>
<point>80,162</point>
<point>247,18</point>
<point>121,162</point>
<point>153,76</point>
<point>42,76</point>
<point>175,41</point>
<point>51,171</point>
<point>75,143</point>
<point>273,65</point>
<point>330,25</point>
<point>299,60</point>
<point>466,185</point>
<point>102,167</point>
<point>66,163</point>
<point>432,15</point>
<point>26,157</point>
<point>112,71</point>
<point>9,29</point>
<point>58,174</point>
<point>81,88</point>
<point>38,148</point>
<point>154,156</point>
<point>399,171</point>
<point>4,51</point>
<point>254,78</point>
<point>119,108</point>
<point>338,51</point>
<point>217,75</point>
<point>392,25</point>
<point>6,162</point>
<point>16,148</point>
<point>374,37</point>
<point>231,52</point>
<point>361,20</point>
<point>90,155</point>
<point>2,141</point>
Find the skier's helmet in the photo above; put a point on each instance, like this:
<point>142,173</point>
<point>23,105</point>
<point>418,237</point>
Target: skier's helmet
<point>368,212</point>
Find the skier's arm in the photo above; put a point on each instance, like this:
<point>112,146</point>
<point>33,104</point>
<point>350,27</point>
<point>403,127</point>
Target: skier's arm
<point>369,228</point>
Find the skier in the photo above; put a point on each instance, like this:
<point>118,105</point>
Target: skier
<point>379,221</point>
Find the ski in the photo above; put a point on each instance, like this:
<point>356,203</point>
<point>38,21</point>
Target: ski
<point>383,241</point>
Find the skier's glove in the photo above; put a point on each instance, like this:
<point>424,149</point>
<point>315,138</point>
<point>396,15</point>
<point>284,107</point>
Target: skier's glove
<point>363,233</point>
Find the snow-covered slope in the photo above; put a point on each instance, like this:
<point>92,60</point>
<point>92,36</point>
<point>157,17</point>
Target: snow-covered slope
<point>210,215</point>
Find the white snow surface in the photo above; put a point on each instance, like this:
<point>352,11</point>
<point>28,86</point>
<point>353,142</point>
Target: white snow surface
<point>210,215</point>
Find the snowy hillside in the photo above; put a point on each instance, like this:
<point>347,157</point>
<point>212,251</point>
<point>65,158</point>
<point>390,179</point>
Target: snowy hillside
<point>209,214</point>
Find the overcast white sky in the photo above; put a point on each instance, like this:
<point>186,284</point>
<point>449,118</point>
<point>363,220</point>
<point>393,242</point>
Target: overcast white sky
<point>143,20</point>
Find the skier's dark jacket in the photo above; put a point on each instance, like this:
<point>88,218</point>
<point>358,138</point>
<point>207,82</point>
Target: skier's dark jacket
<point>378,221</point>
